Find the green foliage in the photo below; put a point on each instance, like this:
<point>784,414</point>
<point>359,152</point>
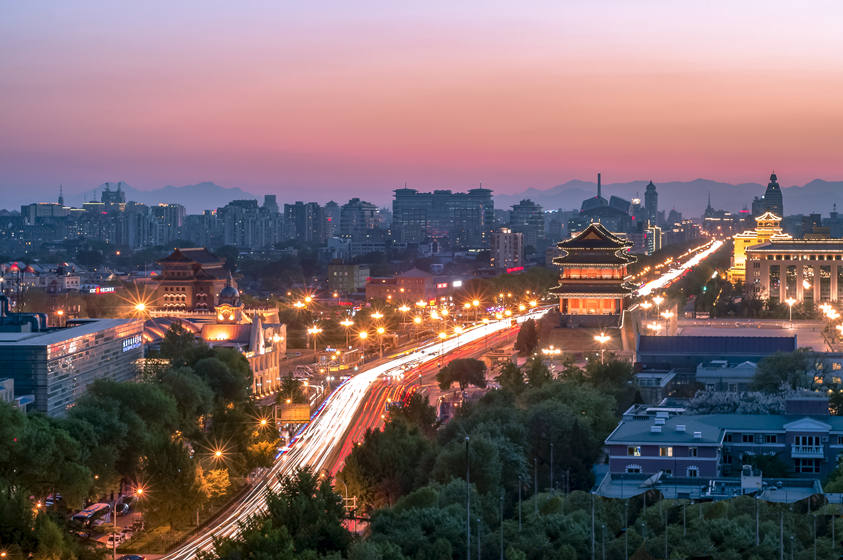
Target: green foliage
<point>528,338</point>
<point>303,520</point>
<point>193,396</point>
<point>291,390</point>
<point>511,378</point>
<point>464,371</point>
<point>228,386</point>
<point>783,369</point>
<point>388,465</point>
<point>416,412</point>
<point>538,373</point>
<point>175,491</point>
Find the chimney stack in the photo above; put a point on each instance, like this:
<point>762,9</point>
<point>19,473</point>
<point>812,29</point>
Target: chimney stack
<point>599,186</point>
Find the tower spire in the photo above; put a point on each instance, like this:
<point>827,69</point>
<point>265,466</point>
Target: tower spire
<point>61,195</point>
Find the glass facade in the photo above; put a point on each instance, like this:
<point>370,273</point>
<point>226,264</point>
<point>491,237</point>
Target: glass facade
<point>775,282</point>
<point>790,281</point>
<point>808,284</point>
<point>825,283</point>
<point>56,366</point>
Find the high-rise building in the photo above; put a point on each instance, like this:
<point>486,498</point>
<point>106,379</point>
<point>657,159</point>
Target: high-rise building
<point>305,222</point>
<point>651,203</point>
<point>332,219</point>
<point>527,218</point>
<point>357,219</point>
<point>270,204</point>
<point>507,249</point>
<point>463,220</point>
<point>773,197</point>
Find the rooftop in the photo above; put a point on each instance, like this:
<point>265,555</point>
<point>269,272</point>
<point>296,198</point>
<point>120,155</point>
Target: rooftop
<point>80,327</point>
<point>722,346</point>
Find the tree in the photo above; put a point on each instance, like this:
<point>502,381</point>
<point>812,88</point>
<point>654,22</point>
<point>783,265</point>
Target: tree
<point>783,368</point>
<point>537,372</point>
<point>511,378</point>
<point>179,345</point>
<point>387,464</point>
<point>528,338</point>
<point>175,489</point>
<point>464,371</point>
<point>416,412</point>
<point>227,385</point>
<point>291,391</point>
<point>193,396</point>
<point>214,482</point>
<point>302,520</point>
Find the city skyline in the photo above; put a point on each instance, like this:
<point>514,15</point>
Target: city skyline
<point>441,96</point>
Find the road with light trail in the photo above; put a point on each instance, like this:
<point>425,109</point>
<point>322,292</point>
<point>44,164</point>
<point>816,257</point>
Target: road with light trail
<point>316,445</point>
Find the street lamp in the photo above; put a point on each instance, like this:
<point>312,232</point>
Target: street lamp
<point>658,301</point>
<point>442,336</point>
<point>551,351</point>
<point>380,331</point>
<point>313,331</point>
<point>790,301</point>
<point>377,315</point>
<point>458,329</point>
<point>602,338</point>
<point>347,323</point>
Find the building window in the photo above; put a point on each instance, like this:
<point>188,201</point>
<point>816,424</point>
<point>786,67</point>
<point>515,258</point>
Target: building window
<point>693,452</point>
<point>775,282</point>
<point>807,465</point>
<point>748,438</point>
<point>693,472</point>
<point>633,451</point>
<point>728,438</point>
<point>665,452</point>
<point>825,283</point>
<point>633,469</point>
<point>771,438</point>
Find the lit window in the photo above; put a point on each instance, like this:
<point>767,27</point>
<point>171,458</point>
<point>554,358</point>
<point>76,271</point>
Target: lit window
<point>665,451</point>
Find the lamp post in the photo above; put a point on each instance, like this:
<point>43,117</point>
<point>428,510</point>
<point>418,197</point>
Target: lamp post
<point>313,331</point>
<point>602,338</point>
<point>790,301</point>
<point>646,305</point>
<point>658,301</point>
<point>381,331</point>
<point>458,330</point>
<point>442,337</point>
<point>363,335</point>
<point>347,323</point>
<point>667,315</point>
<point>403,309</point>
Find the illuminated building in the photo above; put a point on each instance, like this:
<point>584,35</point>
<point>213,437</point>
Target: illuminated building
<point>507,249</point>
<point>189,280</point>
<point>593,279</point>
<point>768,226</point>
<point>807,270</point>
<point>56,364</point>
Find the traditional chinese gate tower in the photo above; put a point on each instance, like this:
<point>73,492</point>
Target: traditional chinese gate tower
<point>593,281</point>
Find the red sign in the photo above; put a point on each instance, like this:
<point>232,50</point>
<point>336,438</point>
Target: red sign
<point>514,269</point>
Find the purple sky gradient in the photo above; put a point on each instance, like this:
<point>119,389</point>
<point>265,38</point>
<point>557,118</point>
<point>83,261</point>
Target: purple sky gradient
<point>344,98</point>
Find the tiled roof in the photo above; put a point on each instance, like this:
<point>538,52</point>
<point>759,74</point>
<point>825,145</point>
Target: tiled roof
<point>814,245</point>
<point>614,289</point>
<point>595,236</point>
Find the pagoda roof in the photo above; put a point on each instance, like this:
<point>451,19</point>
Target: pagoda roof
<point>767,216</point>
<point>594,289</point>
<point>595,236</point>
<point>597,258</point>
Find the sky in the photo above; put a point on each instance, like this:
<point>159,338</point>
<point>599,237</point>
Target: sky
<point>324,99</point>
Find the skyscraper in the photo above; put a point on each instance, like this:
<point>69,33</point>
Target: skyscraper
<point>651,203</point>
<point>464,220</point>
<point>527,217</point>
<point>773,197</point>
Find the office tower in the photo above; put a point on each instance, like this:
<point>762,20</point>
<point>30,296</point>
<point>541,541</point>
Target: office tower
<point>507,251</point>
<point>651,203</point>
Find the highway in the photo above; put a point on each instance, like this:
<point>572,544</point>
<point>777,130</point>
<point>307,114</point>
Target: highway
<point>673,274</point>
<point>325,441</point>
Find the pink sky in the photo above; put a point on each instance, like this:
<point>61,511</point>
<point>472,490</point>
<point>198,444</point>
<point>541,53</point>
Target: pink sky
<point>339,100</point>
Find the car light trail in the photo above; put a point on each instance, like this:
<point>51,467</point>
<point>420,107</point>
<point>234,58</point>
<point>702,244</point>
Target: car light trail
<point>313,444</point>
<point>673,274</point>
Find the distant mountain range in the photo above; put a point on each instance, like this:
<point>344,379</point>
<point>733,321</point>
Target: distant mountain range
<point>688,197</point>
<point>195,198</point>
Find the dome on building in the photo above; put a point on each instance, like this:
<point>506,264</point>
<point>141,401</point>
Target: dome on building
<point>229,295</point>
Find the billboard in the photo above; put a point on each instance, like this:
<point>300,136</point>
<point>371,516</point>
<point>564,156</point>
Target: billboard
<point>294,413</point>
